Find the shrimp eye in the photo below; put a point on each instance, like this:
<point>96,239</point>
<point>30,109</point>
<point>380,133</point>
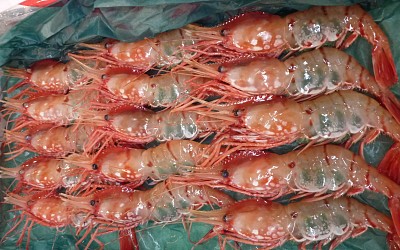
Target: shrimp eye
<point>106,117</point>
<point>223,32</point>
<point>103,76</point>
<point>92,203</point>
<point>221,69</point>
<point>225,173</point>
<point>25,105</point>
<point>28,138</point>
<point>225,218</point>
<point>237,112</point>
<point>94,166</point>
<point>21,172</point>
<point>107,45</point>
<point>61,190</point>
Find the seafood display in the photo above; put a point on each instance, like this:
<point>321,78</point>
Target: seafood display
<point>236,126</point>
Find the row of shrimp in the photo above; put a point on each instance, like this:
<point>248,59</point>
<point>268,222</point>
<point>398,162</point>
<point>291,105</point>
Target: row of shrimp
<point>90,121</point>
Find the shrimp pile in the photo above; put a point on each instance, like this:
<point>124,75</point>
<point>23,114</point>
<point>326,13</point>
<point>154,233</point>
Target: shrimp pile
<point>158,129</point>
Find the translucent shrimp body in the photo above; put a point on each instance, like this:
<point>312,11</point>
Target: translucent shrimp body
<point>161,91</point>
<point>328,117</point>
<point>45,173</point>
<point>137,165</point>
<point>50,75</point>
<point>270,224</point>
<point>272,34</point>
<point>51,141</point>
<point>164,50</point>
<point>321,171</point>
<point>162,203</point>
<point>138,125</point>
<point>54,108</point>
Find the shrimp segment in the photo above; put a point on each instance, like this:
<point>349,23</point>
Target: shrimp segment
<point>268,224</point>
<point>137,165</point>
<point>270,34</point>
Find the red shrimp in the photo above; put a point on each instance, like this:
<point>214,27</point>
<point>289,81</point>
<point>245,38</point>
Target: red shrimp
<point>139,125</point>
<point>324,119</point>
<point>49,140</point>
<point>44,208</point>
<point>164,50</point>
<point>135,166</point>
<point>263,33</point>
<point>316,173</point>
<point>163,203</point>
<point>59,109</point>
<point>302,77</point>
<point>50,75</point>
<point>269,224</point>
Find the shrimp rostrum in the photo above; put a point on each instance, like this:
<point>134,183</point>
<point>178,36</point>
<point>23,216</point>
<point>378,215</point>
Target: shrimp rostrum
<point>269,224</point>
<point>263,33</point>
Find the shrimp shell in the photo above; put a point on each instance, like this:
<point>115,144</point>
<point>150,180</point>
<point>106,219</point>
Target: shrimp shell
<point>137,165</point>
<point>268,224</point>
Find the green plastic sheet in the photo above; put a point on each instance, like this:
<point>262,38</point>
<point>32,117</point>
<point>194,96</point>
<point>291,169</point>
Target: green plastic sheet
<point>52,32</point>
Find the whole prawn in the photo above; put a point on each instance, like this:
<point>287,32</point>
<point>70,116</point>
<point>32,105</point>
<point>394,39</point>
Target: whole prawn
<point>139,125</point>
<point>301,77</point>
<point>59,109</point>
<point>161,204</point>
<point>135,166</point>
<point>49,140</point>
<point>324,119</point>
<point>50,75</point>
<point>269,224</point>
<point>263,33</point>
<point>163,50</point>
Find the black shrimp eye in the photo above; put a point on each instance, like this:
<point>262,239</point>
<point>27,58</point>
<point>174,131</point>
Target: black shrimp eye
<point>225,173</point>
<point>61,190</point>
<point>225,218</point>
<point>94,166</point>
<point>104,76</point>
<point>221,69</point>
<point>25,105</point>
<point>92,203</point>
<point>106,117</point>
<point>28,138</point>
<point>223,32</point>
<point>107,45</point>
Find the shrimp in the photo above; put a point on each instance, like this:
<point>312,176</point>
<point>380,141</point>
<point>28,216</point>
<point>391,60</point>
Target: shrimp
<point>325,119</point>
<point>139,125</point>
<point>135,166</point>
<point>263,33</point>
<point>166,90</point>
<point>50,75</point>
<point>50,140</point>
<point>315,173</point>
<point>163,203</point>
<point>59,109</point>
<point>269,224</point>
<point>164,50</point>
<point>44,208</point>
<point>310,74</point>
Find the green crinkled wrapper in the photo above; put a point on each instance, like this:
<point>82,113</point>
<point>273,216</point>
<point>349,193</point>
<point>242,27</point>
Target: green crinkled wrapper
<point>53,31</point>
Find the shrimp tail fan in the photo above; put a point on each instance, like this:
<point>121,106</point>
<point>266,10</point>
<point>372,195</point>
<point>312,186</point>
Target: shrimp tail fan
<point>384,67</point>
<point>390,164</point>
